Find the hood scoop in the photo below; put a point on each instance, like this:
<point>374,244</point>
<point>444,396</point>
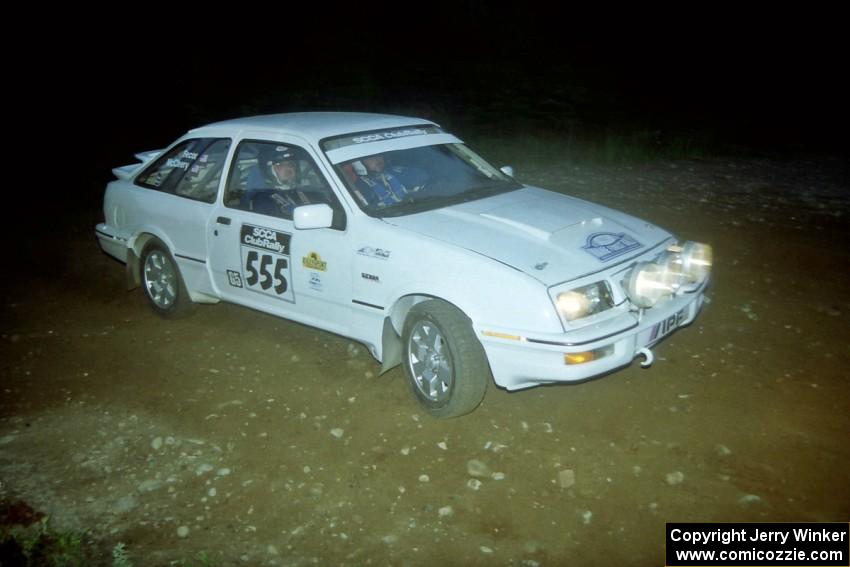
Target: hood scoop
<point>537,232</point>
<point>532,231</point>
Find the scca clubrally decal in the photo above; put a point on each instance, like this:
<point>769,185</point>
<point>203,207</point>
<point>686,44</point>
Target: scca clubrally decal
<point>265,239</point>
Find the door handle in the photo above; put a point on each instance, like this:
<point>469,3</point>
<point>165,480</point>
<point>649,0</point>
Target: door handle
<point>223,220</point>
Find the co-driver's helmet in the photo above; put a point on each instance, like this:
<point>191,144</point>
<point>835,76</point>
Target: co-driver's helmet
<point>359,168</point>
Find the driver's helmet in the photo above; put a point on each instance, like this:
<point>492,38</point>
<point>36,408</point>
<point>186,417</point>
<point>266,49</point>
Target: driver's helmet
<point>273,155</point>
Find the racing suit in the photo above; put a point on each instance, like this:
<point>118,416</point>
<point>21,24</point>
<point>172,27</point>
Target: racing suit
<point>268,195</point>
<point>381,189</point>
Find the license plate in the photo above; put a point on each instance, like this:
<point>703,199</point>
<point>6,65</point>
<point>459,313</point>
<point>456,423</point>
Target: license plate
<point>666,326</point>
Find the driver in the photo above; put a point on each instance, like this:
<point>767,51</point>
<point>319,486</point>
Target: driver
<point>272,184</point>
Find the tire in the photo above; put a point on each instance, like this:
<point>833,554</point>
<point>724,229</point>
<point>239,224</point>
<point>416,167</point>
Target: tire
<point>162,283</point>
<point>443,359</point>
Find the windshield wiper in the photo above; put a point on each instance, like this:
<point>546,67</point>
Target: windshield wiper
<point>489,189</point>
<point>421,204</point>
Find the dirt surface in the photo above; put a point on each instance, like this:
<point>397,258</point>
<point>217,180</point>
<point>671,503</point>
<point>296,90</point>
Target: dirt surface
<point>257,441</point>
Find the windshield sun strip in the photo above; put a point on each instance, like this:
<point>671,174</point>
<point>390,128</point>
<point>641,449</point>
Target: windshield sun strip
<point>349,153</point>
<point>369,136</point>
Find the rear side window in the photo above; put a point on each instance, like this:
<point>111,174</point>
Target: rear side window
<point>191,169</point>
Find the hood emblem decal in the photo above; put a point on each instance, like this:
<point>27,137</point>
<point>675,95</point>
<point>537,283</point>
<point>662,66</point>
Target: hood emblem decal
<point>607,245</point>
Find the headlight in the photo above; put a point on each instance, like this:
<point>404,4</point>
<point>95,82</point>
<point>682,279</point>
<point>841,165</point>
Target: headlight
<point>696,262</point>
<point>585,301</point>
<point>647,284</point>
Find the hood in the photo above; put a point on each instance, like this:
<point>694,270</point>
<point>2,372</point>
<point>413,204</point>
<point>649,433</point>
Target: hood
<point>549,236</point>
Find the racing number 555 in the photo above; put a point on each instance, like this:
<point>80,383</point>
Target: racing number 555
<point>278,277</point>
<point>266,266</point>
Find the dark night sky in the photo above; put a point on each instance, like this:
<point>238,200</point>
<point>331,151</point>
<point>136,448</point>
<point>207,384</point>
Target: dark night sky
<point>767,80</point>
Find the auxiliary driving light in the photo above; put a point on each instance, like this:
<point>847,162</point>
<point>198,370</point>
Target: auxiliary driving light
<point>647,284</point>
<point>696,261</point>
<point>672,274</point>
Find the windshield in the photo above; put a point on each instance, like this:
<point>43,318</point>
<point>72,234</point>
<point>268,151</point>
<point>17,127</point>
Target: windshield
<point>413,180</point>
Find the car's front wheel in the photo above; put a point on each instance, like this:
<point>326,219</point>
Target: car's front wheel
<point>162,284</point>
<point>443,359</point>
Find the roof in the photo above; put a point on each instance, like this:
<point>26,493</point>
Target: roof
<point>318,125</point>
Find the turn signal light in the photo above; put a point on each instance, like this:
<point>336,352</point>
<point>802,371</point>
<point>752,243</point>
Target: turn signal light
<point>579,357</point>
<point>587,356</point>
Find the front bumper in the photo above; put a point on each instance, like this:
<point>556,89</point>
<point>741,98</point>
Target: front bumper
<point>534,360</point>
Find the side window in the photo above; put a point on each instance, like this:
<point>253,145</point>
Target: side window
<point>273,178</point>
<point>191,169</point>
<point>201,180</point>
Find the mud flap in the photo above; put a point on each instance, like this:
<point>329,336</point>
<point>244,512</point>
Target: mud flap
<point>134,278</point>
<point>390,347</point>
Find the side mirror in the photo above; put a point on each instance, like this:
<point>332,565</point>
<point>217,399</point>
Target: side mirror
<point>313,216</point>
<point>507,170</point>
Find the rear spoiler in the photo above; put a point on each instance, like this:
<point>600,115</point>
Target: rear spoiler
<point>126,171</point>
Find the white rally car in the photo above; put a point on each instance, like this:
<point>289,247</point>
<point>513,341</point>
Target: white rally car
<point>391,231</point>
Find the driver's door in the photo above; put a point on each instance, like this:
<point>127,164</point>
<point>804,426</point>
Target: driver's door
<point>258,258</point>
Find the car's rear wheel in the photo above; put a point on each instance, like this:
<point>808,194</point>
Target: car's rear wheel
<point>162,284</point>
<point>443,359</point>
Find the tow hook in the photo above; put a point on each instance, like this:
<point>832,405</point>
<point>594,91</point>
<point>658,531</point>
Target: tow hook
<point>650,358</point>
